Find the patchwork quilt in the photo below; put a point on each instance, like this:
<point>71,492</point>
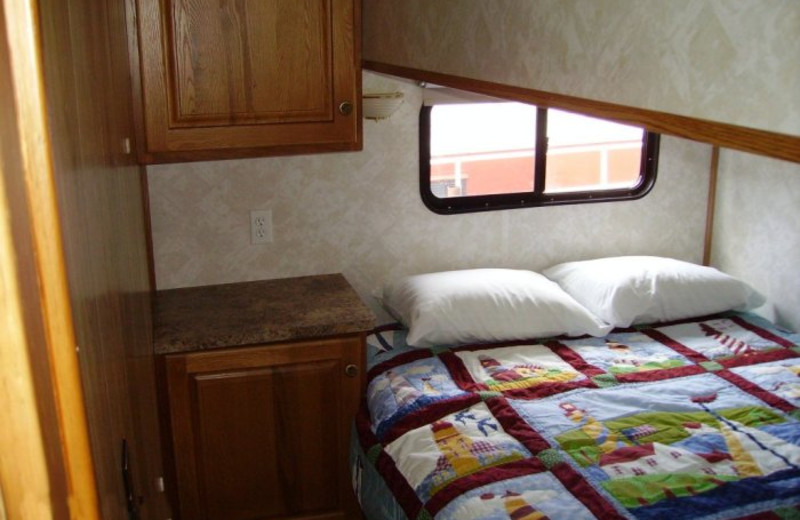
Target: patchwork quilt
<point>691,419</point>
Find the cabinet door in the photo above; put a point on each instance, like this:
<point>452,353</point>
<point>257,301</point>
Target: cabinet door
<point>263,432</point>
<point>229,78</point>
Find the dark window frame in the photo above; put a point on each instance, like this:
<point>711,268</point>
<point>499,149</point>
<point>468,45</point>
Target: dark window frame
<point>536,198</point>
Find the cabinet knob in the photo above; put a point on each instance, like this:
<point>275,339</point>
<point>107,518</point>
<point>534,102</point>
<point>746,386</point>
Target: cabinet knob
<point>346,108</point>
<point>351,370</point>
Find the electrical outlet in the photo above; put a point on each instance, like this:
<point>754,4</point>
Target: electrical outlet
<point>261,226</point>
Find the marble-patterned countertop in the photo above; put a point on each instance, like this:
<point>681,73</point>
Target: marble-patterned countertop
<point>216,316</point>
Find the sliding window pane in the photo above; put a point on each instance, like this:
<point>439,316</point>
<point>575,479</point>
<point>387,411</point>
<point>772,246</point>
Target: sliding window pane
<point>589,154</point>
<point>482,149</point>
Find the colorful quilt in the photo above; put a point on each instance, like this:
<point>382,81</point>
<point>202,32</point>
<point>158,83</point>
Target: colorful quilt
<point>692,419</point>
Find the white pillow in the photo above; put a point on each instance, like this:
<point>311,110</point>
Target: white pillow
<point>645,289</point>
<point>485,305</point>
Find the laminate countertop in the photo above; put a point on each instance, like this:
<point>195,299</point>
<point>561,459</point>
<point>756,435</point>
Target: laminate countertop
<point>217,316</point>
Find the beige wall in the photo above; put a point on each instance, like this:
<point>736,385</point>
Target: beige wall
<point>756,228</point>
<point>361,214</point>
<point>732,61</point>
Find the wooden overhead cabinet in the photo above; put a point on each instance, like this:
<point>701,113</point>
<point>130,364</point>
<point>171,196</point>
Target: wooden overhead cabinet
<point>239,78</point>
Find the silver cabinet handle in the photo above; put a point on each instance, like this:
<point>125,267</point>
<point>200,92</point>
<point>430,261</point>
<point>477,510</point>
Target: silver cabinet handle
<point>351,370</point>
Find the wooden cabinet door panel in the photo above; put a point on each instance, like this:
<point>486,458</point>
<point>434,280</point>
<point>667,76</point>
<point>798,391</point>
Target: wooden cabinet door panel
<point>250,61</point>
<point>263,432</point>
<point>229,78</point>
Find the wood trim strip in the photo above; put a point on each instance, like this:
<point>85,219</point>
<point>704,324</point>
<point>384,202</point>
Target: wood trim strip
<point>761,142</point>
<point>56,311</point>
<point>33,487</point>
<point>137,90</point>
<point>712,197</point>
<point>24,470</point>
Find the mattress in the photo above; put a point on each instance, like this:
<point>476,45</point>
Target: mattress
<point>689,419</point>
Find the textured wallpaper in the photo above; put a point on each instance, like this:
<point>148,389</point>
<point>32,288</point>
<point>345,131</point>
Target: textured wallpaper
<point>360,214</point>
<point>757,228</point>
<point>733,61</point>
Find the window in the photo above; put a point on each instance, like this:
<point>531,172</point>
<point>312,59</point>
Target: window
<point>477,156</point>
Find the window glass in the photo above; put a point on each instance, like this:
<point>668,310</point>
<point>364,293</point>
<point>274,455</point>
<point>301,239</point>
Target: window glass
<point>495,155</point>
<point>586,153</point>
<point>482,149</point>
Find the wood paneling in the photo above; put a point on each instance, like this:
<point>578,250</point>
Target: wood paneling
<point>41,282</point>
<point>761,142</point>
<point>712,202</point>
<point>262,432</point>
<point>226,59</point>
<point>32,469</point>
<point>248,77</point>
<point>101,217</point>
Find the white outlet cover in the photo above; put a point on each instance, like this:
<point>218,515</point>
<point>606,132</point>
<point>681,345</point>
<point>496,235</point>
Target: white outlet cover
<point>261,226</point>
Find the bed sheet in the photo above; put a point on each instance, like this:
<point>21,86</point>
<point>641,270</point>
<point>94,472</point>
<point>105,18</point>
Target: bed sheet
<point>691,419</point>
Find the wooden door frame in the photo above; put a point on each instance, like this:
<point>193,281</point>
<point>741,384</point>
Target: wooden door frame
<point>46,467</point>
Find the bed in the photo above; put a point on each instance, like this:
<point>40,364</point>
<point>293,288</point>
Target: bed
<point>648,415</point>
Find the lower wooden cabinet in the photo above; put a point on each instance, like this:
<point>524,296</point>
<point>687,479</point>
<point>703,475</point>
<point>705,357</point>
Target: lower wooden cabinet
<point>263,431</point>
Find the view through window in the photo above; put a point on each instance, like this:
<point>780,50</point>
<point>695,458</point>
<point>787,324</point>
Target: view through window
<point>585,153</point>
<point>499,151</point>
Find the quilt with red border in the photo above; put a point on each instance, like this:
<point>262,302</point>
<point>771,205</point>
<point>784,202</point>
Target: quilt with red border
<point>690,419</point>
